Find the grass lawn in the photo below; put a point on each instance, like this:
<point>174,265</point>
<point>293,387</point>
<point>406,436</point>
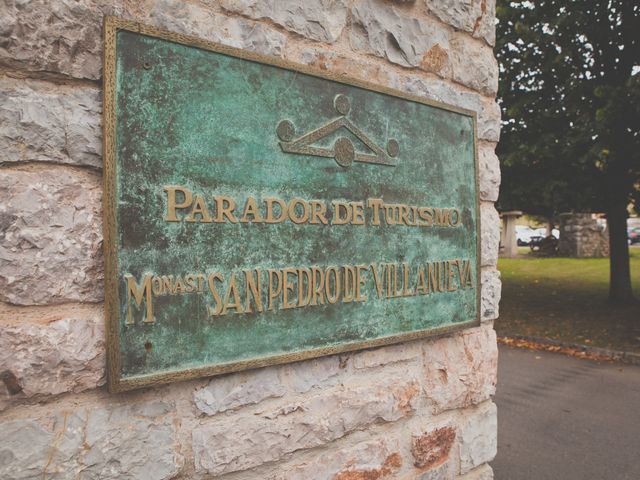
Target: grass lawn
<point>566,299</point>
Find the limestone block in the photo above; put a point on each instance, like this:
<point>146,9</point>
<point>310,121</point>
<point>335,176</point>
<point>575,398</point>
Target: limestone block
<point>478,437</point>
<point>320,20</point>
<point>23,449</point>
<point>361,68</point>
<point>431,449</point>
<point>137,442</point>
<point>474,16</point>
<point>62,36</point>
<point>441,91</point>
<point>131,441</point>
<point>235,390</point>
<point>483,472</point>
<point>43,122</point>
<point>253,386</point>
<point>489,118</point>
<point>199,21</point>
<point>486,27</point>
<point>385,31</point>
<point>442,472</point>
<point>377,458</point>
<point>66,355</point>
<point>29,29</point>
<point>409,41</point>
<point>50,235</point>
<point>317,373</point>
<point>244,442</point>
<point>489,172</point>
<point>460,370</point>
<point>490,231</point>
<point>473,64</point>
<point>491,292</point>
<point>400,353</point>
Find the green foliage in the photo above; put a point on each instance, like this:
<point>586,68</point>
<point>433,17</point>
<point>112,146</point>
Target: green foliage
<point>570,98</point>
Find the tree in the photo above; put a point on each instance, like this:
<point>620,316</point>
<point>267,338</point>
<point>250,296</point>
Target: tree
<point>570,98</point>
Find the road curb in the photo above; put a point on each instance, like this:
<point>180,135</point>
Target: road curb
<point>616,355</point>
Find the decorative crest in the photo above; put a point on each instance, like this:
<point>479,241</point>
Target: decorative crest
<point>343,150</point>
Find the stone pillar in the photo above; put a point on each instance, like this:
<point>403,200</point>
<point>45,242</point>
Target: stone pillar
<point>421,409</point>
<point>581,236</point>
<point>508,240</point>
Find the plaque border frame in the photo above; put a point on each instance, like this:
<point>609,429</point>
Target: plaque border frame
<point>115,382</point>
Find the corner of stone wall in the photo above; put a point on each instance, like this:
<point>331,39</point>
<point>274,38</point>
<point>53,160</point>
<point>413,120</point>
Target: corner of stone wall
<point>421,409</point>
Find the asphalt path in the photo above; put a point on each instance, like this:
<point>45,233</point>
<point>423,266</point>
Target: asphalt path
<point>562,418</point>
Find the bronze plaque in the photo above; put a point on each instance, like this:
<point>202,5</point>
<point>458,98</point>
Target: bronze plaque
<point>261,212</point>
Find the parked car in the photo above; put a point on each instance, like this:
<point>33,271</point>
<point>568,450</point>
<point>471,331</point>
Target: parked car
<point>546,246</point>
<point>633,234</point>
<point>535,242</point>
<point>524,234</point>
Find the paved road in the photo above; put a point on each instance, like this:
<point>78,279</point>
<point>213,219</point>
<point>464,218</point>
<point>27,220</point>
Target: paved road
<point>561,418</point>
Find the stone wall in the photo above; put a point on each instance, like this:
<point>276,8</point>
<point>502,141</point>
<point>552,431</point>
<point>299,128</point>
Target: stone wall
<point>581,236</point>
<point>418,410</point>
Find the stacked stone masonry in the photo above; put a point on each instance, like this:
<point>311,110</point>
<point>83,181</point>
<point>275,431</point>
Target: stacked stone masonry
<point>418,410</point>
<point>582,236</point>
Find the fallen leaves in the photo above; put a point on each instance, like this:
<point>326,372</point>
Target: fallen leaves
<point>572,351</point>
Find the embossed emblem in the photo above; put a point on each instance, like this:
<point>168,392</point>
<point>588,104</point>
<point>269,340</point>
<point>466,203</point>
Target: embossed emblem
<point>343,150</point>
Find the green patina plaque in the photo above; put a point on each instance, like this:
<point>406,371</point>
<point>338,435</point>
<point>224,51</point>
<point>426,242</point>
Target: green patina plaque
<point>260,212</point>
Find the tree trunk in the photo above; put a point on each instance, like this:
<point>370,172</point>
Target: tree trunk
<point>619,272</point>
<point>550,226</point>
